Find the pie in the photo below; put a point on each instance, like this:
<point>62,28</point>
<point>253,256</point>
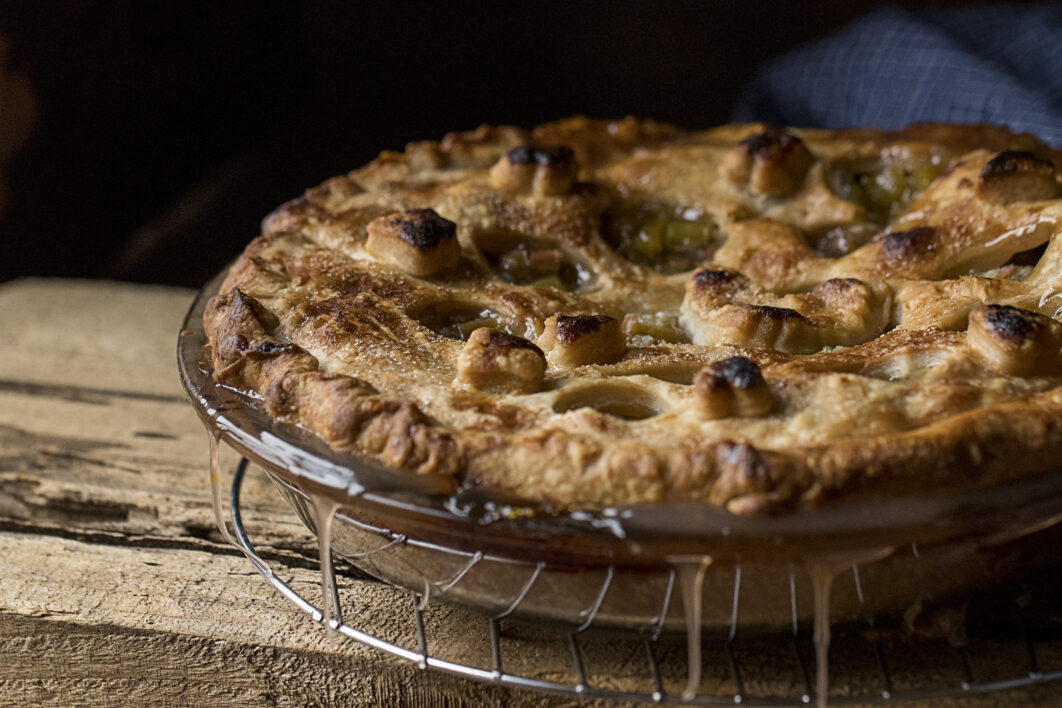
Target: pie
<point>596,312</point>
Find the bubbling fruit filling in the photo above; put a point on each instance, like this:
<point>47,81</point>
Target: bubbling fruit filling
<point>542,267</point>
<point>883,190</point>
<point>521,260</point>
<point>668,241</point>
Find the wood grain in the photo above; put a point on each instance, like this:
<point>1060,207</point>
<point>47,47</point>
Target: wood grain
<point>116,588</point>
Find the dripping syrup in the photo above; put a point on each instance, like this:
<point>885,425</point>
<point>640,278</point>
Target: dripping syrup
<point>691,581</point>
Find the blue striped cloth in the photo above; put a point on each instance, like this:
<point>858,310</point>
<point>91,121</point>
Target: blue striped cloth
<point>986,64</point>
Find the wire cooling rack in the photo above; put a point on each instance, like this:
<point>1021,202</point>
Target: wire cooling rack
<point>1010,656</point>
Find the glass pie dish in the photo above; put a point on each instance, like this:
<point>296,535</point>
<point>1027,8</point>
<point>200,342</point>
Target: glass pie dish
<point>646,568</point>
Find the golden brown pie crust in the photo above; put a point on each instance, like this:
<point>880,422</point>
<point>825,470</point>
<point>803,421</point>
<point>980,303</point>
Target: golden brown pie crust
<point>734,316</point>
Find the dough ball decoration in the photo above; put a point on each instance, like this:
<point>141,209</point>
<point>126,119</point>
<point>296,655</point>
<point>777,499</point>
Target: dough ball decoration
<point>770,163</point>
<point>417,241</point>
<point>1016,176</point>
<point>571,341</point>
<point>593,312</point>
<point>732,387</point>
<point>498,362</point>
<point>541,171</point>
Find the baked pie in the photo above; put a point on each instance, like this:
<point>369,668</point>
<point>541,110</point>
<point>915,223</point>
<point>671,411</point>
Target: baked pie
<point>593,313</point>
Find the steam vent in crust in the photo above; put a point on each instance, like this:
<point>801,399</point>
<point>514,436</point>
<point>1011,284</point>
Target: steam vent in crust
<point>593,313</point>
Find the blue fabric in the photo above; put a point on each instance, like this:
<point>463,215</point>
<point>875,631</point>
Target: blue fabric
<point>988,64</point>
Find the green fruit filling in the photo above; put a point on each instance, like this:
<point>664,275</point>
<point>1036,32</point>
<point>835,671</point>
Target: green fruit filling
<point>668,243</point>
<point>884,191</point>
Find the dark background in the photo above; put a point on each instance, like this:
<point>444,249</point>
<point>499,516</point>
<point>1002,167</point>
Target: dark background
<point>164,131</point>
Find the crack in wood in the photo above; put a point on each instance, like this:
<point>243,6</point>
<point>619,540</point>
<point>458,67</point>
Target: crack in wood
<point>155,435</point>
<point>72,457</point>
<point>289,557</point>
<point>79,394</point>
<point>15,442</point>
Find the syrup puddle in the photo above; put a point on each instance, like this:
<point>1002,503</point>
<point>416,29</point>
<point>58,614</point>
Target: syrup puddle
<point>691,581</point>
<point>324,514</point>
<point>823,571</point>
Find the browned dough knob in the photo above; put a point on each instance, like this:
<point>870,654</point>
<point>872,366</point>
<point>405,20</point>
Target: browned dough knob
<point>542,171</point>
<point>1017,176</point>
<point>900,247</point>
<point>1015,341</point>
<point>418,241</point>
<point>582,339</point>
<point>772,163</point>
<point>732,387</point>
<point>497,362</point>
<point>723,307</point>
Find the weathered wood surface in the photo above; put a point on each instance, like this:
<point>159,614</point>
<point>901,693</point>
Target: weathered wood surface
<point>115,587</point>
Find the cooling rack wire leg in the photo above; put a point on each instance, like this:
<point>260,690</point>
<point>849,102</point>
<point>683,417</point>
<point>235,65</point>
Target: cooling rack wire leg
<point>654,671</point>
<point>237,520</point>
<point>577,660</point>
<point>495,647</point>
<point>422,638</point>
<point>967,673</point>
